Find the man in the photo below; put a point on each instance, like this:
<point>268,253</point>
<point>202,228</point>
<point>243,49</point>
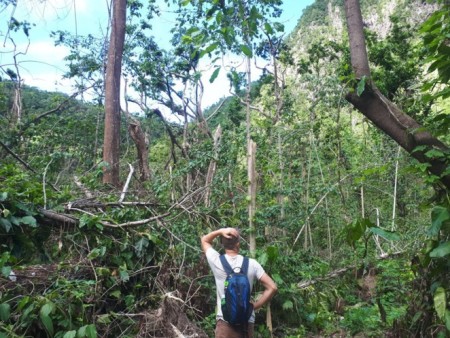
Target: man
<point>230,241</point>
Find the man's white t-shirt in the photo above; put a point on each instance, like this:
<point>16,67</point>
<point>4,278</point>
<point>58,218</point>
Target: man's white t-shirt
<point>255,272</point>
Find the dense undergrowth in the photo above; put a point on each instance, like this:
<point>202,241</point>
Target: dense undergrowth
<point>91,279</point>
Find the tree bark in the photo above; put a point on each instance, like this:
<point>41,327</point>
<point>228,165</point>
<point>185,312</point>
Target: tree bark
<point>402,128</point>
<point>139,139</point>
<point>111,146</point>
<point>358,52</point>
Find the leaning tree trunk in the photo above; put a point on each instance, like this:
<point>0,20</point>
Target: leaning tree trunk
<point>403,129</point>
<point>111,145</point>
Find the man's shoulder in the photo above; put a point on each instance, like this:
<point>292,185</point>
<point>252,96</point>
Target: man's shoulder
<point>256,268</point>
<point>252,260</point>
<point>211,253</point>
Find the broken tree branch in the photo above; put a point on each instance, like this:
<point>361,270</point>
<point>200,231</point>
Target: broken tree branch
<point>60,218</point>
<point>87,204</point>
<point>9,151</point>
<point>141,222</point>
<point>25,164</point>
<point>332,274</point>
<point>127,183</point>
<point>70,220</point>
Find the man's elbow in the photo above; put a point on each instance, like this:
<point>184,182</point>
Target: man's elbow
<point>204,243</point>
<point>275,288</point>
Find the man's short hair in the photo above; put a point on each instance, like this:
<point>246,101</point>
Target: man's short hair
<point>230,243</point>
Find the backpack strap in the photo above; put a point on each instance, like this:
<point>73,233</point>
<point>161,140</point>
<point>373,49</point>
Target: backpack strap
<point>244,267</point>
<point>226,265</point>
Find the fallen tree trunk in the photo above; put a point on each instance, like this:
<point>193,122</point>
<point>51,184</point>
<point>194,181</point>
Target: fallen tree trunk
<point>59,218</point>
<point>88,204</point>
<point>65,219</point>
<point>341,271</point>
<point>332,274</point>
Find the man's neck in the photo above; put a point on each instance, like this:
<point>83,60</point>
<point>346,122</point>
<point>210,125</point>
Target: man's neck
<point>231,252</point>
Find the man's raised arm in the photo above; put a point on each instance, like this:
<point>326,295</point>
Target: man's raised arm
<point>209,238</point>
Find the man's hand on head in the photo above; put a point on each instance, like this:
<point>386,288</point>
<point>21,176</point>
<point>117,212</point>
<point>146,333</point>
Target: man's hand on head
<point>230,233</point>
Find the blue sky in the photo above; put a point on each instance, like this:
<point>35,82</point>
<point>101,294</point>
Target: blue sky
<point>42,64</point>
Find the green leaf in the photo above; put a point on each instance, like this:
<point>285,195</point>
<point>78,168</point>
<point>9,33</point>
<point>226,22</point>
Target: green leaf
<point>419,148</point>
<point>44,313</point>
<point>277,278</point>
<point>70,334</point>
<point>117,294</point>
<point>389,235</point>
<point>210,48</point>
<point>24,301</point>
<point>94,253</point>
<point>47,308</point>
<point>6,271</point>
<point>416,317</point>
<point>141,246</point>
<point>129,300</point>
<point>29,220</point>
<point>288,305</point>
<point>272,253</point>
<point>104,319</point>
<point>268,28</point>
<point>279,27</point>
<point>355,230</point>
<point>91,331</point>
<point>84,220</point>
<point>3,196</point>
<point>361,86</point>
<point>6,224</point>
<point>439,63</point>
<point>246,50</point>
<point>214,75</point>
<point>441,251</point>
<point>5,312</point>
<point>439,302</point>
<point>6,212</point>
<point>435,153</point>
<point>263,258</point>
<point>124,276</point>
<point>14,220</point>
<point>82,331</point>
<point>439,215</point>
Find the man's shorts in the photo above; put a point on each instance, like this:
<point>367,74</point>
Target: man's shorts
<point>225,330</point>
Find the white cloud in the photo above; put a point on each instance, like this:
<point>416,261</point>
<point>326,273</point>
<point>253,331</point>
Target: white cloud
<point>72,15</point>
<point>45,11</point>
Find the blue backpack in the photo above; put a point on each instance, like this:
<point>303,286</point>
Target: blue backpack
<point>236,306</point>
